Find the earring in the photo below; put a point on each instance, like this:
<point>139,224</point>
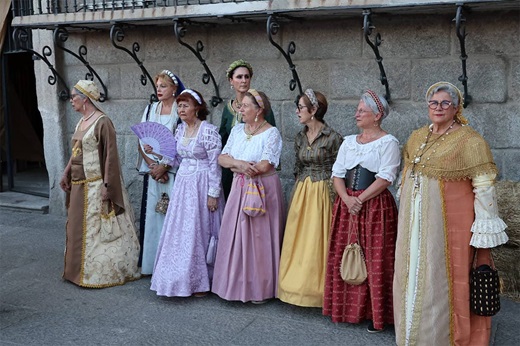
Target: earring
<point>231,86</point>
<point>376,124</point>
<point>312,118</point>
<point>256,119</point>
<point>197,114</point>
<point>84,107</point>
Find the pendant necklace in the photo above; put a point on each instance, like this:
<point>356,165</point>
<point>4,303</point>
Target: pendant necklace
<point>90,116</point>
<point>249,135</point>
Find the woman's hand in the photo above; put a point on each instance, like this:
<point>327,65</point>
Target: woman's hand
<point>212,203</point>
<point>353,203</point>
<point>159,173</point>
<point>247,168</point>
<point>65,182</point>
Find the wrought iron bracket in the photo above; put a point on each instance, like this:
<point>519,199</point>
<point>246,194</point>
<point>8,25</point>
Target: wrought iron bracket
<point>461,34</point>
<point>117,34</point>
<point>367,31</point>
<point>60,36</point>
<point>272,29</point>
<point>180,31</point>
<point>21,36</point>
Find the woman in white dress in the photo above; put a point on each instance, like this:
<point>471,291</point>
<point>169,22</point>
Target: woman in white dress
<point>158,178</point>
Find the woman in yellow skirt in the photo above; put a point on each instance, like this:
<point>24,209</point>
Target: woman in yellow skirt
<point>305,245</point>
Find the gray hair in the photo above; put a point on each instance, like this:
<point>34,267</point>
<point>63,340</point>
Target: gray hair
<point>446,88</point>
<point>369,101</point>
<point>80,94</point>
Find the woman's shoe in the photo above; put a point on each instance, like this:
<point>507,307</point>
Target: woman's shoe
<point>259,302</point>
<point>371,328</point>
<point>200,294</point>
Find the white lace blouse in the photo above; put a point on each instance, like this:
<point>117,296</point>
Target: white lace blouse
<point>263,146</point>
<point>381,156</point>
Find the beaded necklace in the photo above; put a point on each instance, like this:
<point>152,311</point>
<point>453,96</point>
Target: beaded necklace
<point>424,147</point>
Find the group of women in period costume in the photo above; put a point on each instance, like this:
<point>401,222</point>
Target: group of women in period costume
<point>226,231</point>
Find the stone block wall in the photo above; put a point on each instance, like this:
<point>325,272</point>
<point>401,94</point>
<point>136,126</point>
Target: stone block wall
<point>331,56</point>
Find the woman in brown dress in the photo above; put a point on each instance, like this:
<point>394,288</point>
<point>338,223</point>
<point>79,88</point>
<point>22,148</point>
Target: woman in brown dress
<point>102,248</point>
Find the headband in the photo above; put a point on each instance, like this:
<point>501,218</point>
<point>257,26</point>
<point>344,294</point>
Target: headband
<point>312,97</point>
<point>194,94</point>
<point>458,115</point>
<point>257,97</point>
<point>171,75</point>
<point>238,63</point>
<point>376,99</point>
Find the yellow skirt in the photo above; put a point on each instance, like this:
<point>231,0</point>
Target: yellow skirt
<point>304,252</point>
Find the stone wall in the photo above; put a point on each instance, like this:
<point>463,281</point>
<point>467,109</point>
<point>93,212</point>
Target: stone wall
<point>331,57</point>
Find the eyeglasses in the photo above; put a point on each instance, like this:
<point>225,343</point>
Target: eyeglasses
<point>72,96</point>
<point>299,107</point>
<point>444,104</point>
<point>362,111</point>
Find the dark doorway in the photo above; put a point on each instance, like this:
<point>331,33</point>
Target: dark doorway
<point>21,128</point>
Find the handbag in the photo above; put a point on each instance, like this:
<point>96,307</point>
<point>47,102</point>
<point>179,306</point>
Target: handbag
<point>162,204</point>
<point>484,286</point>
<point>353,269</point>
<point>254,199</point>
<point>110,229</point>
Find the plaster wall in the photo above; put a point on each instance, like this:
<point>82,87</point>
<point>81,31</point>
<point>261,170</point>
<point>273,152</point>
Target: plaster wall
<point>331,57</point>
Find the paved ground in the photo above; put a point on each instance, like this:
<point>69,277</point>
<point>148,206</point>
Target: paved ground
<point>38,308</point>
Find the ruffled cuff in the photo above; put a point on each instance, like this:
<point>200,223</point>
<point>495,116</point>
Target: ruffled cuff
<point>488,233</point>
<point>214,192</point>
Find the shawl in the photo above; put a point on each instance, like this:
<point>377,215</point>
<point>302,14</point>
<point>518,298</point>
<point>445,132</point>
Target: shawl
<point>461,154</point>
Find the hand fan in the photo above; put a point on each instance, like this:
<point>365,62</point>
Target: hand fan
<point>158,136</point>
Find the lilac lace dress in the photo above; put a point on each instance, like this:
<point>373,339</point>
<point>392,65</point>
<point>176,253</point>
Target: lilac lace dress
<point>181,268</point>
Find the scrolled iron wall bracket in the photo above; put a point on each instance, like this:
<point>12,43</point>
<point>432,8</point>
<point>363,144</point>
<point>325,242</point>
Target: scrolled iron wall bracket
<point>272,29</point>
<point>461,34</point>
<point>367,30</point>
<point>21,37</point>
<point>60,36</point>
<point>117,34</point>
<point>180,32</point>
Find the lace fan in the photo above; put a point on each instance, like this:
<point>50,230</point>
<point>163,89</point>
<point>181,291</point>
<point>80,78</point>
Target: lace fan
<point>158,136</point>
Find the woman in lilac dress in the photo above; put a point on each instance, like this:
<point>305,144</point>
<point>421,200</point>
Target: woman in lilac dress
<point>184,265</point>
<point>248,255</point>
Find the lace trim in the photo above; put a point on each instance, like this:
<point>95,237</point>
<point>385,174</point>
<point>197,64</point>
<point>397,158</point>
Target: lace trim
<point>486,241</point>
<point>488,226</point>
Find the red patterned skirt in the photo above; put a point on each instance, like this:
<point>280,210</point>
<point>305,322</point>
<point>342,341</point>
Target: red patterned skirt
<point>377,227</point>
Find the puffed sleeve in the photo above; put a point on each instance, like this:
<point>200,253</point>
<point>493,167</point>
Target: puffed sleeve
<point>390,159</point>
<point>488,228</point>
<point>213,144</point>
<point>273,148</point>
<point>339,168</point>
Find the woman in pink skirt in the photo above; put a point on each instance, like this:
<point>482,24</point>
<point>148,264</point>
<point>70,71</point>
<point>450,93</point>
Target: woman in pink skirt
<point>248,254</point>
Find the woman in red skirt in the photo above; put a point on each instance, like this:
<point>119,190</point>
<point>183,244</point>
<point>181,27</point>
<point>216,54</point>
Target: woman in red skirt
<point>364,209</point>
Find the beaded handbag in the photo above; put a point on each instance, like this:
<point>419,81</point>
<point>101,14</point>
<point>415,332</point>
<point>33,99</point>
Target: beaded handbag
<point>484,288</point>
<point>162,204</point>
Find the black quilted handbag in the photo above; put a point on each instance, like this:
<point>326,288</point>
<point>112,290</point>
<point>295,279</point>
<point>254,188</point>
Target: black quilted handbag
<point>484,288</point>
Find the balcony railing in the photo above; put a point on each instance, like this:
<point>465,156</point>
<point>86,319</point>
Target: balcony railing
<point>101,13</point>
<point>30,7</point>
